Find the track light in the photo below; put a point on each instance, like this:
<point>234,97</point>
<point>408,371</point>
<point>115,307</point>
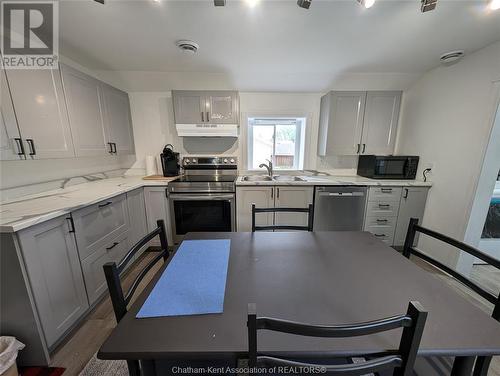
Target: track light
<point>428,5</point>
<point>366,3</point>
<point>494,4</point>
<point>304,3</point>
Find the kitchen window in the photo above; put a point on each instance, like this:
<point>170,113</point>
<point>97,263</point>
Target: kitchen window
<point>278,139</point>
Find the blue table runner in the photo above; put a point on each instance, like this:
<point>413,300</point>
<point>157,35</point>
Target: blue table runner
<point>193,283</point>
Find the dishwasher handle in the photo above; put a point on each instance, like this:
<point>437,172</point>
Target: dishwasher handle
<point>342,194</point>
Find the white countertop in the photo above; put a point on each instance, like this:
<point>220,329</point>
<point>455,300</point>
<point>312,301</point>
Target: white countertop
<point>337,180</point>
<point>29,210</point>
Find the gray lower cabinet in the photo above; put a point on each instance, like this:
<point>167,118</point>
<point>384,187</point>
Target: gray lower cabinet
<point>412,205</point>
<point>382,212</point>
<point>53,267</point>
<point>138,221</point>
<point>157,208</point>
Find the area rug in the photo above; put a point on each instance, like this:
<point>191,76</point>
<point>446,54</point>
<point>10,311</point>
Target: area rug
<point>41,371</point>
<point>97,367</point>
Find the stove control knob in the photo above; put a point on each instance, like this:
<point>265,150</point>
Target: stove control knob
<point>232,160</point>
<point>225,160</point>
<point>186,161</point>
<point>193,160</point>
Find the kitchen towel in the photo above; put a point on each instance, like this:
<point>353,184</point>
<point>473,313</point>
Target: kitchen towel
<point>150,165</point>
<point>194,282</point>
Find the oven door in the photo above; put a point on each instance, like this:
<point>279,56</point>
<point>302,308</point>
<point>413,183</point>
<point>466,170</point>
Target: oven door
<point>391,167</point>
<point>201,213</point>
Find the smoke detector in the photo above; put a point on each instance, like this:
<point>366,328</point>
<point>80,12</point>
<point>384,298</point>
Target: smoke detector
<point>187,46</point>
<point>451,57</point>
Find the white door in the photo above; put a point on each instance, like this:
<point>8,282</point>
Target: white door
<point>262,197</point>
<point>412,205</point>
<point>38,99</point>
<point>345,123</point>
<point>118,120</point>
<point>157,208</point>
<point>83,97</point>
<point>293,197</point>
<point>380,122</point>
<point>11,147</point>
<point>222,107</point>
<point>53,267</point>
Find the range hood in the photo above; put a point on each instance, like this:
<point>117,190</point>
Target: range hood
<point>207,130</point>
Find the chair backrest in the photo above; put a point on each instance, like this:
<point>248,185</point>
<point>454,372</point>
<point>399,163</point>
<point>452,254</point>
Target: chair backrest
<point>308,210</point>
<point>119,299</point>
<point>402,362</point>
<point>408,250</point>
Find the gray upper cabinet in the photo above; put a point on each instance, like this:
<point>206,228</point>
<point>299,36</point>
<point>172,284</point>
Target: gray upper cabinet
<point>118,121</point>
<point>412,205</point>
<point>206,107</point>
<point>341,123</point>
<point>53,267</point>
<point>40,108</point>
<point>380,122</point>
<point>353,123</point>
<point>83,97</point>
<point>10,138</point>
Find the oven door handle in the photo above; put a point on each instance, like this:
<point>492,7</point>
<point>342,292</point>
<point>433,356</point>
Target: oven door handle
<point>209,197</point>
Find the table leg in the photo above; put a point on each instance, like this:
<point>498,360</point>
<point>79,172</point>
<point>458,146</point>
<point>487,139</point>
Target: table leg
<point>148,368</point>
<point>463,365</point>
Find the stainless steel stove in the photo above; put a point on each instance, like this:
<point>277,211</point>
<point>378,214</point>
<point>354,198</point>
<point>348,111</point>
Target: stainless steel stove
<point>203,199</point>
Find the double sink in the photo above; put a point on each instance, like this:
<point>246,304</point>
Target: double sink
<point>258,178</point>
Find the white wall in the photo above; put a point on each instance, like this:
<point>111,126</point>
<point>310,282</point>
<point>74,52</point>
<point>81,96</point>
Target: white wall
<point>446,119</point>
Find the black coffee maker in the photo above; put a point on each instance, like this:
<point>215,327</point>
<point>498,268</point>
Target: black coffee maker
<point>170,161</point>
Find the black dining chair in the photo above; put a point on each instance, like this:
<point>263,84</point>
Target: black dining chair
<point>400,362</point>
<point>483,362</point>
<point>308,210</point>
<point>112,271</point>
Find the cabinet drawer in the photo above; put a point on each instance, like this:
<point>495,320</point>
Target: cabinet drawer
<point>385,208</point>
<point>384,194</point>
<point>96,225</point>
<point>92,266</point>
<point>380,221</point>
<point>386,234</point>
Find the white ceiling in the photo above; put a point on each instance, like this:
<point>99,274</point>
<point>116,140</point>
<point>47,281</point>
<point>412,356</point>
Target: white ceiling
<point>275,41</point>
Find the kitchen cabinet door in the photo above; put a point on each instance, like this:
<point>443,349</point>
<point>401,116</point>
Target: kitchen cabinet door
<point>10,137</point>
<point>380,122</point>
<point>157,208</point>
<point>222,107</point>
<point>138,221</point>
<point>53,267</point>
<point>42,117</point>
<point>412,205</point>
<point>292,197</point>
<point>262,197</point>
<point>190,107</point>
<point>83,98</point>
<point>341,123</point>
<point>117,119</point>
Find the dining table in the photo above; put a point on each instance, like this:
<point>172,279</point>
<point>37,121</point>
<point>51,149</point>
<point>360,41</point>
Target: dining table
<point>325,278</point>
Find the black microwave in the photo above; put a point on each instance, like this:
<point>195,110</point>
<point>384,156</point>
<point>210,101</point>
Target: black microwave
<point>388,167</point>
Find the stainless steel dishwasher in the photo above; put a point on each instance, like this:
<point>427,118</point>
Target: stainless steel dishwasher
<point>339,208</point>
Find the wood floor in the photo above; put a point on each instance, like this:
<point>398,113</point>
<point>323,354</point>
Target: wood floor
<point>78,349</point>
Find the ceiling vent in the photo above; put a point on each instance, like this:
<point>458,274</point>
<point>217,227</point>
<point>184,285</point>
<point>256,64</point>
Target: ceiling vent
<point>451,57</point>
<point>187,46</point>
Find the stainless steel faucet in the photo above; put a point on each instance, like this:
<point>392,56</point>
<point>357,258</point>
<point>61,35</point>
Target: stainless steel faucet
<point>269,167</point>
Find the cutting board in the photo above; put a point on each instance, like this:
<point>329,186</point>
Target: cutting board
<point>159,177</point>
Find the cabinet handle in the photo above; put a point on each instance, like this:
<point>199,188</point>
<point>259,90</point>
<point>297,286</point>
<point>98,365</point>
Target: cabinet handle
<point>277,193</point>
<point>380,235</point>
<point>383,205</point>
<point>406,193</point>
<point>208,117</point>
<point>384,190</point>
<point>114,147</point>
<point>382,220</point>
<point>71,224</point>
<point>359,148</point>
<point>364,148</point>
<point>31,145</point>
<point>20,145</point>
<point>112,246</point>
<point>202,117</point>
<point>272,192</point>
<point>103,205</point>
<point>110,147</point>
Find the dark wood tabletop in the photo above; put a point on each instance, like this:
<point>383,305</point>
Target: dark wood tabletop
<point>318,278</point>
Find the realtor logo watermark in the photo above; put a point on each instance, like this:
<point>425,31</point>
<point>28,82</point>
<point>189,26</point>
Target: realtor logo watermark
<point>30,34</point>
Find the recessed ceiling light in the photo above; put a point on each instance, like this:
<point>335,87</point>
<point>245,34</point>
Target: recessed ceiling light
<point>251,3</point>
<point>187,46</point>
<point>494,4</point>
<point>366,3</point>
<point>428,5</point>
<point>304,3</point>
